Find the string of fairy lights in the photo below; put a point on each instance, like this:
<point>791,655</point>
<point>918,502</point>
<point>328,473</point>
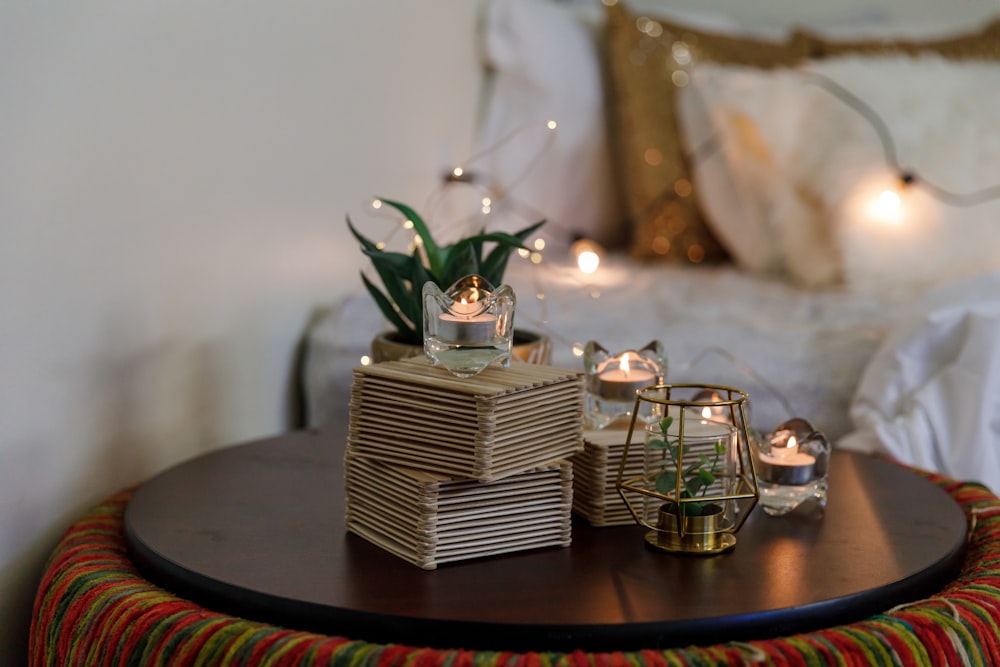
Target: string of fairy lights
<point>587,254</point>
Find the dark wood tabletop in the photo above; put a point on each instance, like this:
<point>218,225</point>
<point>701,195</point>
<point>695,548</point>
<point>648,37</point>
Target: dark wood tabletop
<point>257,530</point>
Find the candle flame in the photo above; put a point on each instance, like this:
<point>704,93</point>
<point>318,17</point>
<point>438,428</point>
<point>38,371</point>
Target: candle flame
<point>791,442</point>
<point>624,364</point>
<point>706,412</point>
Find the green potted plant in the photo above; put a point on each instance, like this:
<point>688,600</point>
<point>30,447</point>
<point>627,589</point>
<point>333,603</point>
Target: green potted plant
<point>402,275</point>
<point>692,522</point>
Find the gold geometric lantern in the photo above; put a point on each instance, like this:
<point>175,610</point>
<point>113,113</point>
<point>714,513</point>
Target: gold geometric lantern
<point>698,483</point>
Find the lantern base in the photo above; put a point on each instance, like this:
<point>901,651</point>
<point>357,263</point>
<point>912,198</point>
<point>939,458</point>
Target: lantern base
<point>722,544</point>
<point>703,534</point>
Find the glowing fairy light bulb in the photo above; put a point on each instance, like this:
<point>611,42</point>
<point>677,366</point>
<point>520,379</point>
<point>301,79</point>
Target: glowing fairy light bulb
<point>887,206</point>
<point>551,125</point>
<point>588,261</point>
<point>587,254</point>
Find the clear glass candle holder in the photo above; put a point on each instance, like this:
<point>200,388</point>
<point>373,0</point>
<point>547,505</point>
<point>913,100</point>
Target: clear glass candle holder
<point>613,380</point>
<point>468,326</point>
<point>792,464</point>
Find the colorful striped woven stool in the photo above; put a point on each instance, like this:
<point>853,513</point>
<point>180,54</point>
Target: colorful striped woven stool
<point>93,608</point>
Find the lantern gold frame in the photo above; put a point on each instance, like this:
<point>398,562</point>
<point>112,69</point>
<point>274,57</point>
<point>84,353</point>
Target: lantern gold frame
<point>675,531</point>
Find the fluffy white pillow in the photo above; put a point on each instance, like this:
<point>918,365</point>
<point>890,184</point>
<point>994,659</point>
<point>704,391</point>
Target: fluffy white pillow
<point>791,185</point>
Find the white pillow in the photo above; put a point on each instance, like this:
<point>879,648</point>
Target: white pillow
<point>790,184</point>
<point>545,66</point>
<point>545,62</point>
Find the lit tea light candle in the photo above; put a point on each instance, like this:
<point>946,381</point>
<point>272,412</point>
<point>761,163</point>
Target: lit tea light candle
<point>784,463</point>
<point>469,326</point>
<point>719,413</point>
<point>701,429</point>
<point>468,321</point>
<point>620,382</point>
<point>466,317</point>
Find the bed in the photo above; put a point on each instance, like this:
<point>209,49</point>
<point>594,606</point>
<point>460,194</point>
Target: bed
<point>808,212</point>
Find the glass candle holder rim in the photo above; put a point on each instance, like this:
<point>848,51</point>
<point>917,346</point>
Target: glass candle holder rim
<point>649,357</point>
<point>451,300</point>
<point>801,428</point>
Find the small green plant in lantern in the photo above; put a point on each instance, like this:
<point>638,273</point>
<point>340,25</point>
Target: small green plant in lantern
<point>695,478</point>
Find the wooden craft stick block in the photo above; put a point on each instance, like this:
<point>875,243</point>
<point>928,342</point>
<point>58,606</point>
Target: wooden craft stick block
<point>595,472</point>
<point>499,423</point>
<point>429,519</point>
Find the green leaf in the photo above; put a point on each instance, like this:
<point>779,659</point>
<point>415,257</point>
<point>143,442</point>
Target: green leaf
<point>706,477</point>
<point>656,443</point>
<point>495,264</point>
<point>394,262</point>
<point>690,470</point>
<point>395,270</point>
<point>386,307</point>
<point>666,482</point>
<point>366,244</point>
<point>693,509</point>
<point>462,261</point>
<point>665,423</point>
<point>415,307</point>
<point>434,257</point>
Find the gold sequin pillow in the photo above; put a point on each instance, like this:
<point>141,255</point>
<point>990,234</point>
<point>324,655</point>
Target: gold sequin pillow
<point>648,60</point>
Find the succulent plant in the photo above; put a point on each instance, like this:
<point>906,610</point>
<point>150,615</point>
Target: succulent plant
<point>403,276</point>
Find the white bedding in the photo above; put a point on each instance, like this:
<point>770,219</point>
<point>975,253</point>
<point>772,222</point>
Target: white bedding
<point>930,396</point>
<point>797,352</point>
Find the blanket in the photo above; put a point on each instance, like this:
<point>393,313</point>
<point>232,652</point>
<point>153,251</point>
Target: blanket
<point>930,396</point>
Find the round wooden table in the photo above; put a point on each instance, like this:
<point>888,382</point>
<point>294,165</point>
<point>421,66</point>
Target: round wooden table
<point>257,530</point>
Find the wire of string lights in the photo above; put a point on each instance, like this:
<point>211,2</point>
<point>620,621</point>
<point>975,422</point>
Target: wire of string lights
<point>908,177</point>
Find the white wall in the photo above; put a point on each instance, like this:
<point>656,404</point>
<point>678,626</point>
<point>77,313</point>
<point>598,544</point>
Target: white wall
<point>173,183</point>
<point>173,180</point>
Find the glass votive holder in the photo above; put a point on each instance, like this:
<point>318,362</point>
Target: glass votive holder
<point>792,464</point>
<point>613,380</point>
<point>469,325</point>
